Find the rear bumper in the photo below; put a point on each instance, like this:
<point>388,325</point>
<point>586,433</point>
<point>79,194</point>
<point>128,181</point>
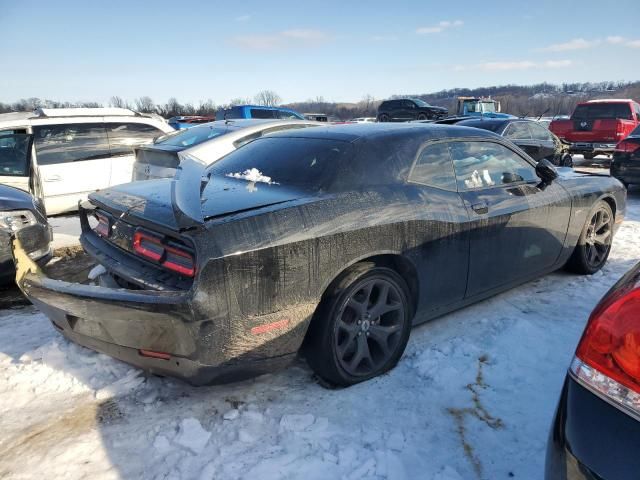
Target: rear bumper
<point>122,323</point>
<point>592,147</point>
<point>590,439</point>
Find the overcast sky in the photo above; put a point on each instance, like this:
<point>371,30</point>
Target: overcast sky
<point>341,50</point>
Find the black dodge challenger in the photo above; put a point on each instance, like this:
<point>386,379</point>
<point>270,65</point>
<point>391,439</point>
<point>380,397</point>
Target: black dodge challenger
<point>331,241</point>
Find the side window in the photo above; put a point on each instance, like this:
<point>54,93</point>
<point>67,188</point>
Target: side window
<point>14,153</point>
<point>518,131</point>
<point>261,113</point>
<point>408,104</point>
<point>487,164</point>
<point>434,168</point>
<point>539,132</point>
<point>637,109</point>
<point>72,142</point>
<point>124,136</point>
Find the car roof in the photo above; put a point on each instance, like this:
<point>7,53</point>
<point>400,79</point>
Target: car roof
<point>352,132</point>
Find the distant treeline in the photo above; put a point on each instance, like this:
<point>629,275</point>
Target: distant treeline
<point>533,100</point>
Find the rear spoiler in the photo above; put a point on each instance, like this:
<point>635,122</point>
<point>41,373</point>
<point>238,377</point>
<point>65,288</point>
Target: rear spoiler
<point>186,191</point>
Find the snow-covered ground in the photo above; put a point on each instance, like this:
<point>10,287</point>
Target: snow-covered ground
<point>66,231</point>
<point>472,398</point>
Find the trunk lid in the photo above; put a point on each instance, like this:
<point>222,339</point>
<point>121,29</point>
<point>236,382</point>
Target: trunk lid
<point>189,199</point>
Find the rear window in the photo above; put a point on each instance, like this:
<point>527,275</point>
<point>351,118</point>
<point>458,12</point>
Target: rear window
<point>193,136</point>
<point>262,113</point>
<point>308,163</point>
<point>601,111</point>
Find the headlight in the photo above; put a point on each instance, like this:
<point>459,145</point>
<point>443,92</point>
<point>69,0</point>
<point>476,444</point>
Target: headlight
<point>16,220</point>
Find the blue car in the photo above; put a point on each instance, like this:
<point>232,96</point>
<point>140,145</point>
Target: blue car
<point>258,111</point>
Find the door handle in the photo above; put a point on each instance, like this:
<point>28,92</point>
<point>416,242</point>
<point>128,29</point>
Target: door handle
<point>53,178</point>
<point>480,208</point>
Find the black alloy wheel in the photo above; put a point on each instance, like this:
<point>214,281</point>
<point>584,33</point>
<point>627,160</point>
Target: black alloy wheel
<point>594,244</point>
<point>361,327</point>
<point>369,326</point>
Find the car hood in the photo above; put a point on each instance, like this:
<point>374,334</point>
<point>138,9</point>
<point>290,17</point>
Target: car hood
<point>190,199</point>
<point>13,199</point>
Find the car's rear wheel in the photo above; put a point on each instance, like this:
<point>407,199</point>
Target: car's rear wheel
<point>383,118</point>
<point>594,244</point>
<point>361,327</point>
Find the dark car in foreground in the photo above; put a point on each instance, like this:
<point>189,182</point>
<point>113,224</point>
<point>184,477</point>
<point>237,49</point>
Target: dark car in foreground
<point>24,216</point>
<point>529,135</point>
<point>596,431</point>
<point>625,163</point>
<point>333,240</point>
<point>407,109</point>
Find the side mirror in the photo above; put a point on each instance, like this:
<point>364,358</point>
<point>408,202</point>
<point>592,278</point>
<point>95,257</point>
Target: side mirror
<point>546,171</point>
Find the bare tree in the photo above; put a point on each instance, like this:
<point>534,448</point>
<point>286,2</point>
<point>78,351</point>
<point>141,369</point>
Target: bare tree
<point>118,102</point>
<point>268,98</point>
<point>145,105</point>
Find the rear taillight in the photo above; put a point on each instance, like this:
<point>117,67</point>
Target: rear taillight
<point>102,228</point>
<point>165,252</point>
<point>608,356</point>
<point>627,146</point>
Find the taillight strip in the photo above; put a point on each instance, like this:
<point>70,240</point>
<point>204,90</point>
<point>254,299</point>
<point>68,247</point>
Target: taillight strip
<point>606,387</point>
<point>143,244</point>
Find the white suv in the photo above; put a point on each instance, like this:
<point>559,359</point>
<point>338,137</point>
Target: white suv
<point>72,152</point>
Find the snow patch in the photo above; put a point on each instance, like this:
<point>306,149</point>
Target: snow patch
<point>251,175</point>
<point>192,436</point>
<point>296,423</point>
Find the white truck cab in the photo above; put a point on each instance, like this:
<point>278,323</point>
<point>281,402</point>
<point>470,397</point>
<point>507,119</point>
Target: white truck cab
<point>68,153</point>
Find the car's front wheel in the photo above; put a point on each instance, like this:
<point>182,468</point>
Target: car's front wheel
<point>567,160</point>
<point>361,327</point>
<point>594,244</point>
<point>422,116</point>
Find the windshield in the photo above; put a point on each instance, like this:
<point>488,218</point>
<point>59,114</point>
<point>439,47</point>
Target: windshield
<point>602,111</point>
<point>421,103</point>
<point>488,107</point>
<point>635,132</point>
<point>309,163</point>
<point>14,154</point>
<point>193,136</point>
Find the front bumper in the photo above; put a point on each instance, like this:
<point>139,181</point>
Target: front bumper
<point>126,324</point>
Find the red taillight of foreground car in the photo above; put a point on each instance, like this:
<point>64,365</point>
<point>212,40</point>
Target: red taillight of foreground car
<point>169,256</point>
<point>608,356</point>
<point>627,146</point>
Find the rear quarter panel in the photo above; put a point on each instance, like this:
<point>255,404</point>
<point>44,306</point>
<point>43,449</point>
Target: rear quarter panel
<point>276,265</point>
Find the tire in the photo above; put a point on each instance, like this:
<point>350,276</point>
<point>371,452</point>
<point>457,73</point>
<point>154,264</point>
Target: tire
<point>567,161</point>
<point>588,156</point>
<point>344,345</point>
<point>422,116</point>
<point>383,117</point>
<point>593,248</point>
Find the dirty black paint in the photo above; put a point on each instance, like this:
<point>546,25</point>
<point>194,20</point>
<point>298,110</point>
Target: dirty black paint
<point>265,261</point>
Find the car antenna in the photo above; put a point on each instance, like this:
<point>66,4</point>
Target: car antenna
<point>542,114</point>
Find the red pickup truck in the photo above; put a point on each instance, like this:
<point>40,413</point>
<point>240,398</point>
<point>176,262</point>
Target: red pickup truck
<point>597,126</point>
